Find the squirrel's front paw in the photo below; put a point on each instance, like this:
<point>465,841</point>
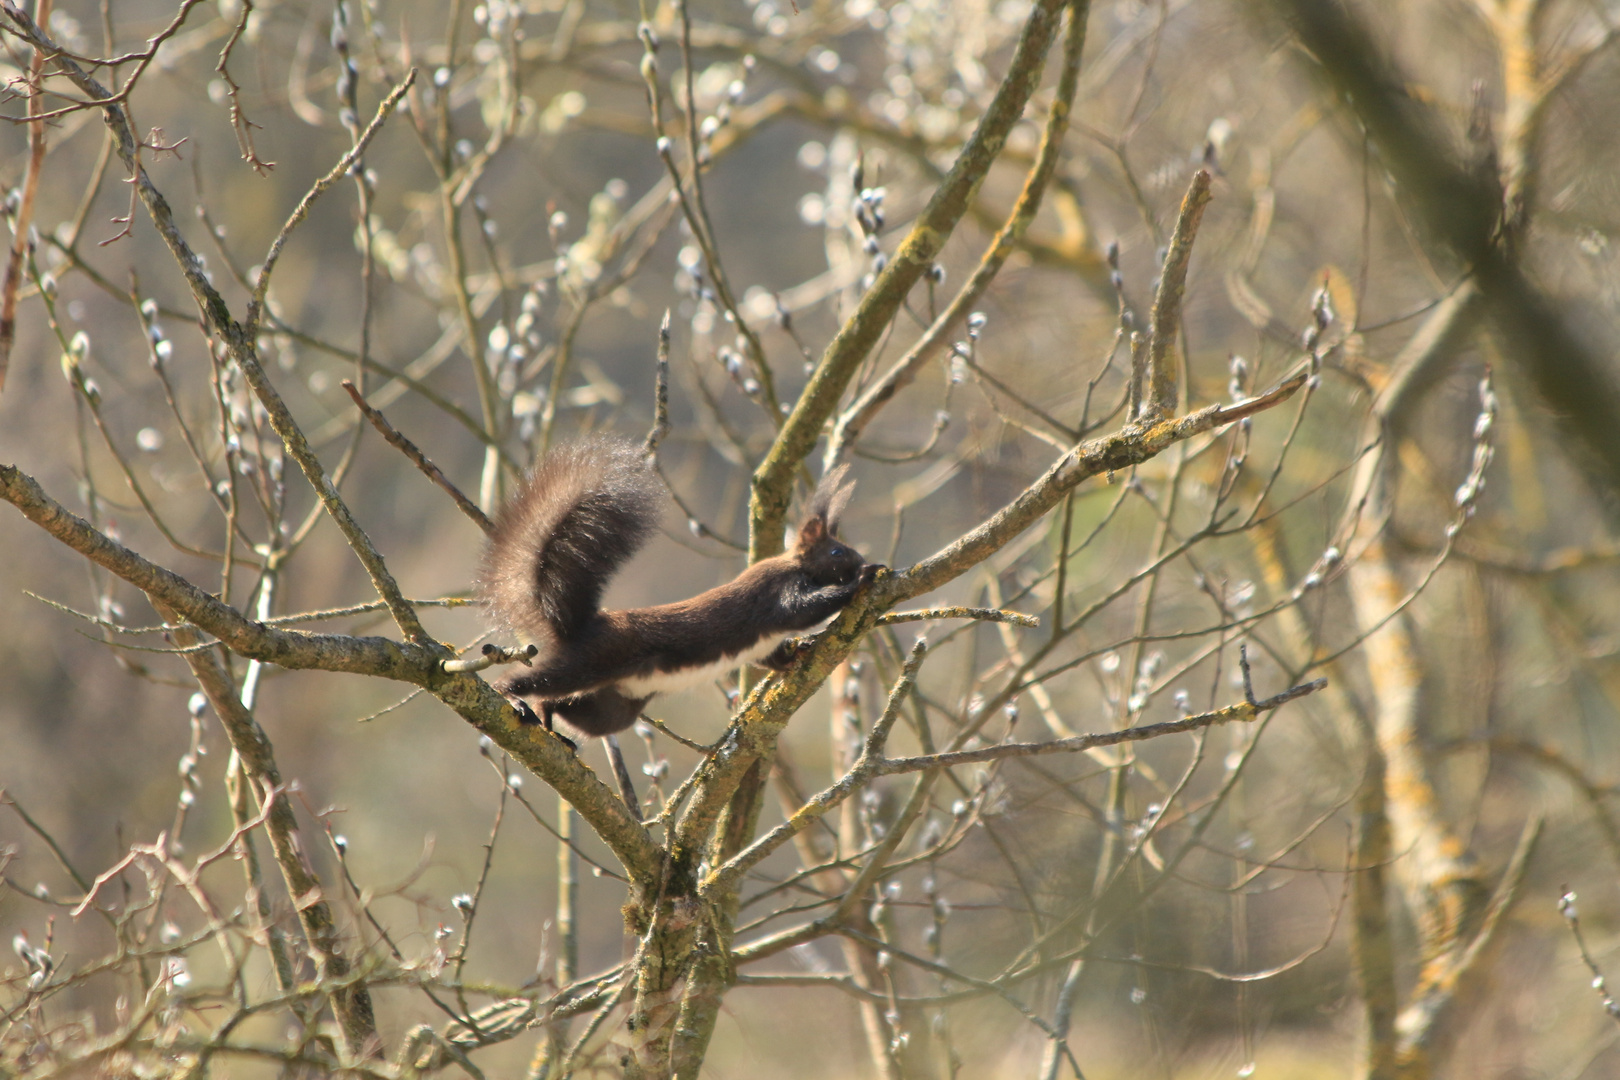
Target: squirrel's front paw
<point>794,648</point>
<point>870,571</point>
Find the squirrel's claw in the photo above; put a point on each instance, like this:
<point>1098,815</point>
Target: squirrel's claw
<point>529,718</point>
<point>526,714</point>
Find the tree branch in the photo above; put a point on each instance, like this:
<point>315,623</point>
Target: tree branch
<point>772,489</point>
<point>1165,322</point>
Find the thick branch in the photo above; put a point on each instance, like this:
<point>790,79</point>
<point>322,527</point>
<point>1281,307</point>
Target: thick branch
<point>773,481</point>
<point>1165,324</point>
<point>240,340</point>
<point>870,764</point>
<point>1114,453</point>
<point>351,1002</point>
<point>856,418</point>
<point>471,698</point>
<point>243,636</point>
<point>769,708</point>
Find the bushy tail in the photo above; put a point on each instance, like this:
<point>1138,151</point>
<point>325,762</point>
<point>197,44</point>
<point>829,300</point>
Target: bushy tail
<point>581,514</point>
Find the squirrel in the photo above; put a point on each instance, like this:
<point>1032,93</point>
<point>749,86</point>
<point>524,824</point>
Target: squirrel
<point>585,510</point>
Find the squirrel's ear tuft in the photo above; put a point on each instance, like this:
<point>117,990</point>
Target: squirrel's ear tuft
<point>830,498</point>
<point>812,532</point>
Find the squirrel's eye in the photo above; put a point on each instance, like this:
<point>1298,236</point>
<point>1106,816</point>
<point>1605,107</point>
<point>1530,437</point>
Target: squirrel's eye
<point>836,552</point>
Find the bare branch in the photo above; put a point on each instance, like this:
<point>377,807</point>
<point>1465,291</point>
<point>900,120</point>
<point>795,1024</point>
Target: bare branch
<point>861,331</point>
<point>854,420</point>
<point>1242,712</point>
<point>1165,322</point>
<point>250,324</point>
<point>419,459</point>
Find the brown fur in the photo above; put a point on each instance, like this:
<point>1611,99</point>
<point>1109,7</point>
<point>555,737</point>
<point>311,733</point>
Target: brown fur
<point>585,510</point>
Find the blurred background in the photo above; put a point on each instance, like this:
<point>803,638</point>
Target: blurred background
<point>495,277</point>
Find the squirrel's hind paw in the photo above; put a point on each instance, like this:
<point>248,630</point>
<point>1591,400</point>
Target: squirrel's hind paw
<point>785,655</point>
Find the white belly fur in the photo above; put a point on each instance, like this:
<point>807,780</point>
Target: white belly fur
<point>666,682</point>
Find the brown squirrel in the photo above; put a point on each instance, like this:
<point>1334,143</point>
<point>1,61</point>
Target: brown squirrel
<point>581,514</point>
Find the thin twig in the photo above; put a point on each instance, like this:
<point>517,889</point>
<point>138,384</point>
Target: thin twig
<point>337,172</point>
<point>491,656</point>
<point>982,614</point>
<point>419,459</point>
<point>1241,713</point>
